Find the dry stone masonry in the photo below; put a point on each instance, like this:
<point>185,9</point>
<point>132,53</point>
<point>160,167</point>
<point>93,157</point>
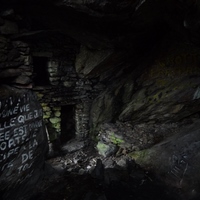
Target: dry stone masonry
<point>65,87</point>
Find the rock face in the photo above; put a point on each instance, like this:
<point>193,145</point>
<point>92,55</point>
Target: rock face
<point>128,137</point>
<point>23,142</point>
<point>167,91</point>
<point>175,160</point>
<point>15,63</point>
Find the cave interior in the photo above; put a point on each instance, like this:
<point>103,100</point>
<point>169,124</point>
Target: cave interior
<point>99,100</point>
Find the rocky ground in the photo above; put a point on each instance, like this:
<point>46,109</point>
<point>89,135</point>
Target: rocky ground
<point>83,174</point>
<point>78,170</point>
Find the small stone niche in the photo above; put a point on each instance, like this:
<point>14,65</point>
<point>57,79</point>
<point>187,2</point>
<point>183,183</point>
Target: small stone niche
<point>41,75</point>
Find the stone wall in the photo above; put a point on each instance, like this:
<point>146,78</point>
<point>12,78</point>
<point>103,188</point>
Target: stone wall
<point>66,87</point>
<point>15,63</point>
<point>82,119</point>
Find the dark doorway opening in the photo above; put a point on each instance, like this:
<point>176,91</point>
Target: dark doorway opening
<point>41,77</point>
<point>67,123</point>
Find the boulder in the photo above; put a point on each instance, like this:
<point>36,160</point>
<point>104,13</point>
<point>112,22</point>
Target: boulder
<point>175,161</point>
<point>23,143</point>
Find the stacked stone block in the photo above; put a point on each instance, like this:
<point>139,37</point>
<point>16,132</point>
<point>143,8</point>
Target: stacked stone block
<point>52,118</point>
<point>82,119</point>
<point>15,60</point>
<point>67,88</point>
<point>15,63</point>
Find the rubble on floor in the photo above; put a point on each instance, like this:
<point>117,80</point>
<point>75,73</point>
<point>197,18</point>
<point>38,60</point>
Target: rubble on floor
<point>86,175</point>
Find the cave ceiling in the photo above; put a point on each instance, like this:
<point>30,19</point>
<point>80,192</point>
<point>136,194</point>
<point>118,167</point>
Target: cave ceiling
<point>131,28</point>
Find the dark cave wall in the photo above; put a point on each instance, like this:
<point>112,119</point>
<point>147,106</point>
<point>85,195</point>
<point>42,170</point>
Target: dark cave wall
<point>167,91</point>
<point>130,88</point>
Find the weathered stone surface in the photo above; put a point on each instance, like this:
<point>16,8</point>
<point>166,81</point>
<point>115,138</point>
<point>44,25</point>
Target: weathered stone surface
<point>11,64</point>
<point>89,59</point>
<point>8,13</point>
<point>105,149</point>
<point>168,88</point>
<point>129,136</point>
<point>103,108</point>
<point>20,45</point>
<point>176,160</point>
<point>73,146</point>
<point>68,83</point>
<point>13,54</point>
<point>3,57</point>
<point>8,28</point>
<point>23,143</point>
<point>23,80</point>
<point>10,73</point>
<point>1,21</point>
<point>57,113</point>
<point>55,120</point>
<point>165,92</point>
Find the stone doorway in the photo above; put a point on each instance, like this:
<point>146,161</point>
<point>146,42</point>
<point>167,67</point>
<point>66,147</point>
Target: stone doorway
<point>67,123</point>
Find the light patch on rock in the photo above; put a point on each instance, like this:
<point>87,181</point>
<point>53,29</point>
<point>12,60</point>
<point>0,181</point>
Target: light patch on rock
<point>197,94</point>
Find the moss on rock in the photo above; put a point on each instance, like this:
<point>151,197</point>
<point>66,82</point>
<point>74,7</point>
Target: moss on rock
<point>105,149</point>
<point>54,120</point>
<point>116,140</point>
<point>57,113</point>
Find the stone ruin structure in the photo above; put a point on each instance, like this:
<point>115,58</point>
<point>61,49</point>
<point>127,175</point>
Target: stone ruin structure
<point>64,94</point>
